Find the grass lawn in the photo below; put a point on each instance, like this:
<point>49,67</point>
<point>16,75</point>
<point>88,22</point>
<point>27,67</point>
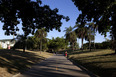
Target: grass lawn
<point>100,62</point>
<point>14,61</point>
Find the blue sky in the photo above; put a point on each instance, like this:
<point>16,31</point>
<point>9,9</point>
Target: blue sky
<point>66,8</point>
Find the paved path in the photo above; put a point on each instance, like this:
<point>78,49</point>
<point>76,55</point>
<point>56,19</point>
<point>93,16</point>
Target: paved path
<point>55,66</point>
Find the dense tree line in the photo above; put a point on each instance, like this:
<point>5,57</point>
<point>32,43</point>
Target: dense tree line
<point>103,45</point>
<point>41,43</point>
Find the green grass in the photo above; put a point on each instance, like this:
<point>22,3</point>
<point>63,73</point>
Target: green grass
<point>1,47</point>
<point>100,62</point>
<point>14,61</point>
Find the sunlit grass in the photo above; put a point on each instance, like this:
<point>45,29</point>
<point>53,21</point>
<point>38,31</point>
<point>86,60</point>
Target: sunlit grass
<point>101,62</point>
<point>14,61</point>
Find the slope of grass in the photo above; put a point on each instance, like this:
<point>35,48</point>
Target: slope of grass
<point>100,62</point>
<point>14,61</point>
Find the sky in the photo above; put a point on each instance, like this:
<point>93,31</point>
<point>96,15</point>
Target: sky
<point>66,8</point>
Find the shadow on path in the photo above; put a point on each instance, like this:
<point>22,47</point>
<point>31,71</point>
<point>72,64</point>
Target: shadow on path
<point>55,66</point>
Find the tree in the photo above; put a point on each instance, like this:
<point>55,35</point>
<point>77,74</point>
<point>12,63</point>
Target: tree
<point>31,42</point>
<point>94,29</point>
<point>101,12</point>
<point>81,32</point>
<point>68,30</point>
<point>56,43</point>
<point>91,34</point>
<point>41,34</point>
<point>71,36</point>
<point>21,42</point>
<point>31,14</point>
<point>72,39</point>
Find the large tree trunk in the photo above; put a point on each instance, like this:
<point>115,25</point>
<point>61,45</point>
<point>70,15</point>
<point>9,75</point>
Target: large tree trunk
<point>82,44</point>
<point>114,45</point>
<point>115,51</point>
<point>40,45</point>
<point>90,45</point>
<point>114,37</point>
<point>24,45</point>
<point>73,46</point>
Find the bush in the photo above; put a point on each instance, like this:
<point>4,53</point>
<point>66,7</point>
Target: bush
<point>18,45</point>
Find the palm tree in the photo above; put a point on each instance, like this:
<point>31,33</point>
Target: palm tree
<point>93,29</point>
<point>89,38</point>
<point>68,30</point>
<point>73,39</point>
<point>41,34</point>
<point>70,36</point>
<point>81,32</point>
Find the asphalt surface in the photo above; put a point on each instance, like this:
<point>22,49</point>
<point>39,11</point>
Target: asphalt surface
<point>55,66</point>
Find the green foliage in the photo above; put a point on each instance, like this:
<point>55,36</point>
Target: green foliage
<point>57,43</point>
<point>81,32</point>
<point>31,14</point>
<point>103,45</point>
<point>103,13</point>
<point>41,36</point>
<point>100,11</point>
<point>71,37</point>
<point>32,42</point>
<point>20,43</point>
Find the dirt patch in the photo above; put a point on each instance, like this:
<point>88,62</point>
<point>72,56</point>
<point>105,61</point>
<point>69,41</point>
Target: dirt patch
<point>4,73</point>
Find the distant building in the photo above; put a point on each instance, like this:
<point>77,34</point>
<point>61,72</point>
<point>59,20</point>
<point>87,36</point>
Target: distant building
<point>7,43</point>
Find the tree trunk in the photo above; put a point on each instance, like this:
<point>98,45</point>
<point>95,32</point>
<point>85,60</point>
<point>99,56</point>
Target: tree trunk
<point>82,44</point>
<point>115,51</point>
<point>73,46</point>
<point>114,37</point>
<point>40,45</point>
<point>24,43</point>
<point>90,45</point>
<point>94,41</point>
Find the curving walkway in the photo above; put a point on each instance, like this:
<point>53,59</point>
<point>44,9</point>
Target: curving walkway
<point>55,66</point>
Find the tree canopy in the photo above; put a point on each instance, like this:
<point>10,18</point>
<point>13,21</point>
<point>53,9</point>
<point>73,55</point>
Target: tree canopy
<point>101,12</point>
<point>57,43</point>
<point>30,14</point>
